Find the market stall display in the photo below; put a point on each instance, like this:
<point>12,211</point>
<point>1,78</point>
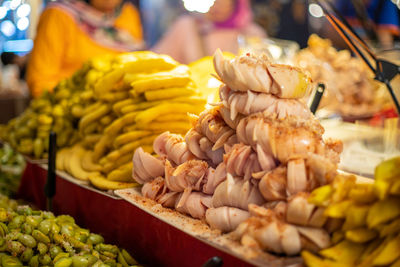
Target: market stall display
<point>351,89</point>
<point>39,238</point>
<point>260,147</point>
<point>367,224</point>
<point>107,109</point>
<point>254,167</point>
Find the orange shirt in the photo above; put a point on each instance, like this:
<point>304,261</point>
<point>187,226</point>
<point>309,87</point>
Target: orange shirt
<point>61,46</point>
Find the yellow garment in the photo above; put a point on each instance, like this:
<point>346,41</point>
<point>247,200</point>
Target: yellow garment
<point>61,47</point>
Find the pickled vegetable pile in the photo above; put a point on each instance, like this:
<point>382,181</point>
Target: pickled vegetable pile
<point>38,238</point>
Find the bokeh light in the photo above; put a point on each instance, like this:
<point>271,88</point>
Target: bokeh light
<point>199,6</point>
<point>14,4</point>
<point>315,10</point>
<point>23,24</point>
<point>3,12</point>
<point>23,10</point>
<point>7,28</point>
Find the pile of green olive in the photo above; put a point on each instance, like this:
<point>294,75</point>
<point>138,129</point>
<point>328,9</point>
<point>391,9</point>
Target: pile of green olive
<point>38,238</point>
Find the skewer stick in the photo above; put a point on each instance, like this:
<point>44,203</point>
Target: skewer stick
<point>343,22</point>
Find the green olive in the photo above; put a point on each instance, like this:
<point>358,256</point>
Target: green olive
<point>37,212</point>
<point>106,247</point>
<point>16,222</point>
<point>3,247</point>
<point>34,220</point>
<point>24,210</point>
<point>110,262</point>
<point>26,228</point>
<point>34,261</point>
<point>55,229</point>
<point>13,235</point>
<point>27,240</point>
<point>42,248</point>
<point>3,215</point>
<point>67,229</point>
<point>3,229</point>
<point>8,261</point>
<point>76,243</point>
<point>40,237</point>
<point>45,226</point>
<point>62,219</point>
<point>83,260</point>
<point>48,215</point>
<point>27,255</point>
<point>45,259</point>
<point>54,251</point>
<point>15,247</point>
<point>81,234</point>
<point>60,256</point>
<point>80,261</point>
<point>64,262</point>
<point>95,239</point>
<point>122,260</point>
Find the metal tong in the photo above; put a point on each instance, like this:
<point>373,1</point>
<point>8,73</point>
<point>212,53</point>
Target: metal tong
<point>384,70</point>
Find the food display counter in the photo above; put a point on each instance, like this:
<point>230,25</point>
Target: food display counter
<point>150,239</point>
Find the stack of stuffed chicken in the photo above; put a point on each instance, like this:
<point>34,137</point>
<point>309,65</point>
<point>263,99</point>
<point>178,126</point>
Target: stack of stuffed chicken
<point>248,163</point>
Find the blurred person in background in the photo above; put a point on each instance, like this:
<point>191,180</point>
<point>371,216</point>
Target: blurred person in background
<point>72,31</point>
<point>197,35</point>
<point>9,58</point>
<point>375,20</point>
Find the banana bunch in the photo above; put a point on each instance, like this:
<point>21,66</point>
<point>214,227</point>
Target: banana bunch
<point>58,111</point>
<point>366,219</point>
<point>77,161</point>
<point>38,238</point>
<point>141,96</point>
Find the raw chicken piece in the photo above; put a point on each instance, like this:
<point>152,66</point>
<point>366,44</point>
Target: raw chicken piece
<point>225,218</point>
<point>158,191</point>
<point>299,175</point>
<point>259,75</point>
<point>226,116</point>
<point>247,103</point>
<point>211,124</point>
<point>192,139</point>
<point>173,147</point>
<point>195,204</point>
<point>154,188</point>
<point>283,140</point>
<point>185,177</point>
<point>301,212</point>
<point>241,160</point>
<point>215,156</point>
<point>273,184</point>
<point>322,169</point>
<point>214,178</point>
<point>266,230</point>
<point>236,192</point>
<point>296,176</point>
<point>146,167</point>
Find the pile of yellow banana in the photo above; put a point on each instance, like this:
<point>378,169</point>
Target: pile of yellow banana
<point>367,218</point>
<point>58,111</point>
<point>141,96</point>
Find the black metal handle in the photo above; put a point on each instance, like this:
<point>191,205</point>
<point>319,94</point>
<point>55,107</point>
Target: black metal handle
<point>50,187</point>
<point>214,262</point>
<point>317,97</point>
